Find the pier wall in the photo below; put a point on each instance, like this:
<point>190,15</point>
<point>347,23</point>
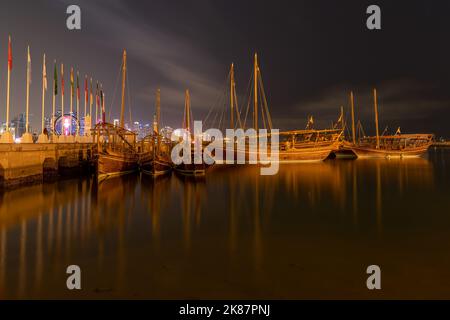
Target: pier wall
<point>29,162</point>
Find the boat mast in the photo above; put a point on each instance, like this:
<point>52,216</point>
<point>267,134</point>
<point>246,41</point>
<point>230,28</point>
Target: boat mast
<point>255,89</point>
<point>375,105</point>
<point>124,76</point>
<point>158,118</point>
<point>158,109</point>
<point>232,96</point>
<point>187,111</point>
<point>353,117</point>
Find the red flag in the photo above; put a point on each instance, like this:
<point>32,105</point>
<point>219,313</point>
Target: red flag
<point>9,54</point>
<point>86,89</point>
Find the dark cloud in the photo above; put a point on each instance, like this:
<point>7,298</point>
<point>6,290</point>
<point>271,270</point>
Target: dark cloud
<point>311,54</point>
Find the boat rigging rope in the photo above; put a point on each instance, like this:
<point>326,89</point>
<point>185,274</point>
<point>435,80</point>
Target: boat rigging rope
<point>115,91</point>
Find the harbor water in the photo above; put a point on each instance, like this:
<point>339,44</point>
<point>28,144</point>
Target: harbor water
<point>310,231</point>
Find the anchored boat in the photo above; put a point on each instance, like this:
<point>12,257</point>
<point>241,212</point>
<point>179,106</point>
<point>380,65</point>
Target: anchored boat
<point>155,158</point>
<point>116,145</point>
<point>387,146</point>
<point>190,169</point>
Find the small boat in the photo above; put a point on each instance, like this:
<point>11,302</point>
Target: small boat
<point>190,169</point>
<point>387,146</point>
<point>155,157</point>
<point>116,146</point>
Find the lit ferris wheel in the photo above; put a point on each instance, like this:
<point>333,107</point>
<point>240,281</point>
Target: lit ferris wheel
<point>66,125</point>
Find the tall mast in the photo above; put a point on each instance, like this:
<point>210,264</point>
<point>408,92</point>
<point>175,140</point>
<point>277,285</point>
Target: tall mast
<point>375,105</point>
<point>158,109</point>
<point>55,75</point>
<point>187,111</point>
<point>232,96</point>
<point>85,98</point>
<point>78,104</point>
<point>255,90</point>
<point>353,117</point>
<point>71,101</point>
<point>28,88</point>
<point>44,87</point>
<point>90,104</point>
<point>124,76</point>
<point>158,118</point>
<point>9,82</point>
<point>62,99</point>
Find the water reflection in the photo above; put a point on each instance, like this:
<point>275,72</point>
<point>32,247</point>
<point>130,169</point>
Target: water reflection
<point>246,234</point>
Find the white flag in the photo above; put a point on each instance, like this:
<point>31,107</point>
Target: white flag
<point>44,74</point>
<point>29,66</point>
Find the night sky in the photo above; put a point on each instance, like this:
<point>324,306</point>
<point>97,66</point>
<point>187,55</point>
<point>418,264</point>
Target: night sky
<point>311,54</point>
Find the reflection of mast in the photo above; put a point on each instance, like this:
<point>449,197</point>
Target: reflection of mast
<point>187,215</point>
<point>39,260</point>
<point>2,259</point>
<point>378,197</point>
<point>22,257</point>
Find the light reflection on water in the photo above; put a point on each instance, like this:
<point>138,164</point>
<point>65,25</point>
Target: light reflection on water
<point>308,232</point>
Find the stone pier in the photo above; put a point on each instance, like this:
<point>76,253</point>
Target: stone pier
<point>32,162</point>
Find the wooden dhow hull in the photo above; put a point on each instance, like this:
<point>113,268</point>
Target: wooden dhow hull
<point>398,146</point>
<point>364,152</point>
<point>191,170</point>
<point>115,164</point>
<point>307,153</point>
<point>155,167</point>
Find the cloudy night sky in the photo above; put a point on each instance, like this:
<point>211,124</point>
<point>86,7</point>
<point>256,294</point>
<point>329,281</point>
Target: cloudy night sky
<point>312,53</point>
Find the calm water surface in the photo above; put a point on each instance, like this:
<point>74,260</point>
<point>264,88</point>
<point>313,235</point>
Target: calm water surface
<point>308,232</point>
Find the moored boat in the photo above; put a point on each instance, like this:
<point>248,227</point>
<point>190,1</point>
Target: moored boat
<point>155,157</point>
<point>308,145</point>
<point>116,146</point>
<point>394,146</point>
<point>398,145</point>
<point>190,169</point>
<point>116,151</point>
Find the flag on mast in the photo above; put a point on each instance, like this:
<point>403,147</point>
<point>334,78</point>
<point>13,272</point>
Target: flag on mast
<point>71,82</point>
<point>29,65</point>
<point>97,101</point>
<point>85,89</point>
<point>44,74</point>
<point>9,54</point>
<point>55,80</point>
<point>92,96</point>
<point>102,98</point>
